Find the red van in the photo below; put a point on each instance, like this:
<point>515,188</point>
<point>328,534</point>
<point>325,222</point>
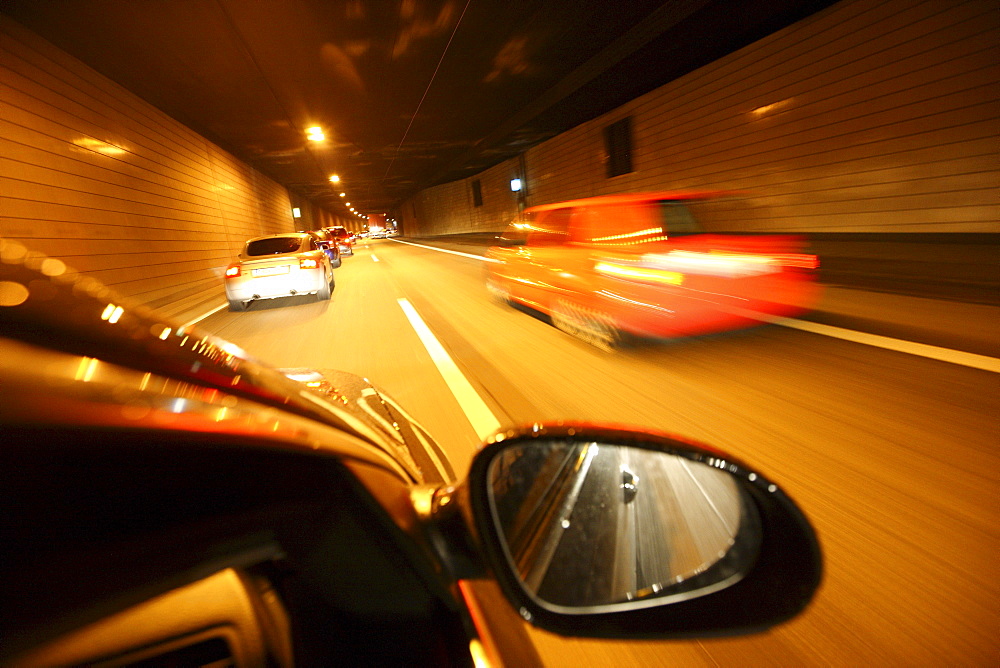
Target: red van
<point>605,268</point>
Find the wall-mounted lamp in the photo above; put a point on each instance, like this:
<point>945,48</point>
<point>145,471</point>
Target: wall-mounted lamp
<point>515,185</point>
<point>296,212</point>
<point>315,134</point>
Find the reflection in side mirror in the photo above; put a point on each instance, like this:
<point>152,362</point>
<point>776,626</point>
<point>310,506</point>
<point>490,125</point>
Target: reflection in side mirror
<point>590,527</point>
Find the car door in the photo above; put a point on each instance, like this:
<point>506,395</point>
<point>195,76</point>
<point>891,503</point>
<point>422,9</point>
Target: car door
<point>545,259</point>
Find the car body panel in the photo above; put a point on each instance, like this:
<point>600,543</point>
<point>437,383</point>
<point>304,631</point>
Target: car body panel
<point>642,262</point>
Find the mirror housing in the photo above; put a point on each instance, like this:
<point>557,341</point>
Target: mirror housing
<point>547,541</point>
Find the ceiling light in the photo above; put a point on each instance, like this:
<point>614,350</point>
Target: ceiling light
<point>315,134</point>
<point>343,194</point>
<point>334,179</point>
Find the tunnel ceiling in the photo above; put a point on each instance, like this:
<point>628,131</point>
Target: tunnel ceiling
<point>410,93</point>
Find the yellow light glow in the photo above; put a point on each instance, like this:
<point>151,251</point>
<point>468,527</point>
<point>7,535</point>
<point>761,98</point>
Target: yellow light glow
<point>343,194</point>
<point>99,146</point>
<point>13,294</point>
<point>632,235</point>
<point>85,370</point>
<point>639,273</point>
<point>478,652</point>
<point>334,179</point>
<point>53,267</point>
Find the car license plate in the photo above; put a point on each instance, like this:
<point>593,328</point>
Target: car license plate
<point>271,271</point>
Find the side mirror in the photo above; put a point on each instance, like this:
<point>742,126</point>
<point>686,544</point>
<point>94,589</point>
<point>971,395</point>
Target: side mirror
<point>607,532</point>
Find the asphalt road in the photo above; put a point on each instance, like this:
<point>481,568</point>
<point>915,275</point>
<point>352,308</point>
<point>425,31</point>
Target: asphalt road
<point>893,456</point>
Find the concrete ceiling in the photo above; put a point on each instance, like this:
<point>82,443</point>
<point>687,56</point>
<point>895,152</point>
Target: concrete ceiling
<point>410,93</point>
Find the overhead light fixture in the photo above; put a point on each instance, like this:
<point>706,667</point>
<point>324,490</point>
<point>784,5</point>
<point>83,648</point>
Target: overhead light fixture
<point>343,194</point>
<point>334,179</point>
<point>315,134</point>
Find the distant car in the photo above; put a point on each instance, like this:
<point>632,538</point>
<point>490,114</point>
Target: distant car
<point>329,244</point>
<point>610,268</point>
<point>377,234</point>
<point>343,238</point>
<point>279,265</point>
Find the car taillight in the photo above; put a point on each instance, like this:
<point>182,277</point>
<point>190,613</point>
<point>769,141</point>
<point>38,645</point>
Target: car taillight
<point>308,263</point>
<point>639,273</point>
<point>233,271</point>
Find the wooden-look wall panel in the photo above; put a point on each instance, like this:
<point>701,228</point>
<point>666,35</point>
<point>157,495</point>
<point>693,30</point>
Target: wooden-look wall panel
<point>96,176</point>
<point>867,116</point>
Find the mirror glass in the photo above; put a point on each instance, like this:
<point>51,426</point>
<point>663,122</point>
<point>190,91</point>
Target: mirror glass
<point>591,525</point>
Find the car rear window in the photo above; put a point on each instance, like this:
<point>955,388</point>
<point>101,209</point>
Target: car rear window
<point>340,232</point>
<point>634,224</point>
<point>676,219</point>
<point>274,246</point>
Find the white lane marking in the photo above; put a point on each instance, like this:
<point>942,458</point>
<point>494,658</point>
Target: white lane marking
<point>973,360</point>
<point>478,413</point>
<point>899,345</point>
<point>202,317</point>
<point>374,257</point>
<point>963,358</point>
<point>445,250</point>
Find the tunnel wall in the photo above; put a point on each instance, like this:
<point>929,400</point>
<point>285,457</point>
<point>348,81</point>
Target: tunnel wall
<point>95,176</point>
<point>451,208</point>
<point>866,117</point>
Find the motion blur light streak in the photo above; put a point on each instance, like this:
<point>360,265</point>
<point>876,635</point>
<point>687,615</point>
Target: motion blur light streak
<point>638,273</point>
<point>86,369</point>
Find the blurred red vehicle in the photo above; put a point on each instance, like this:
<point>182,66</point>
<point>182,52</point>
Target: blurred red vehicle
<point>641,265</point>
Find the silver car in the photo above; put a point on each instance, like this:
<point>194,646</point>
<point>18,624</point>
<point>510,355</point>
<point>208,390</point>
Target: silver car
<point>278,265</point>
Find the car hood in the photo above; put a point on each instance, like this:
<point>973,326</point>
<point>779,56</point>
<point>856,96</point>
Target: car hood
<point>398,433</point>
<point>44,303</point>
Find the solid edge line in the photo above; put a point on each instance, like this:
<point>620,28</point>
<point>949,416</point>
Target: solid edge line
<point>445,250</point>
<point>973,360</point>
<point>202,317</point>
<point>950,355</point>
<point>483,422</point>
